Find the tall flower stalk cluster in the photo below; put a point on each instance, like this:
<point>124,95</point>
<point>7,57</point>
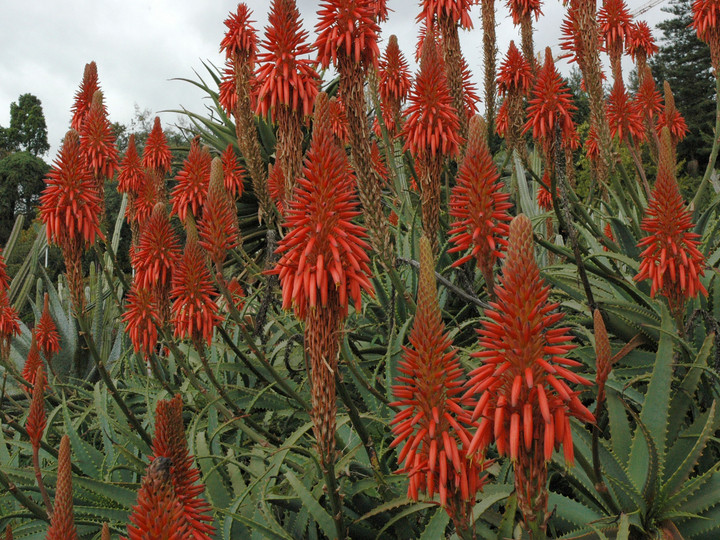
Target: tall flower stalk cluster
<point>523,398</point>
<point>434,423</point>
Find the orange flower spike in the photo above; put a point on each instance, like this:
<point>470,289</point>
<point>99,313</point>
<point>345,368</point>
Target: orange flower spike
<point>551,104</point>
<point>603,354</point>
<point>521,8</point>
<point>284,75</point>
<point>70,204</point>
<point>615,24</point>
<point>158,251</point>
<point>4,278</point>
<point>706,22</point>
<point>338,119</point>
<point>515,73</point>
<point>84,95</point>
<point>156,154</point>
<point>62,524</point>
<point>193,180</point>
<point>471,98</point>
<point>158,514</point>
<point>97,140</point>
<point>478,205</point>
<point>218,228</point>
<point>458,11</point>
<point>233,174</point>
<point>670,257</point>
<point>347,28</point>
<point>131,174</point>
<point>394,76</point>
<point>241,36</point>
<point>170,443</point>
<point>672,119</point>
<point>380,10</point>
<point>432,123</point>
<point>194,311</point>
<point>276,186</point>
<point>640,43</point>
<point>648,99</point>
<point>105,533</point>
<point>624,115</point>
<point>147,198</point>
<point>36,419</point>
<point>32,362</point>
<point>228,97</point>
<point>9,324</point>
<point>141,318</point>
<point>317,253</point>
<point>432,422</point>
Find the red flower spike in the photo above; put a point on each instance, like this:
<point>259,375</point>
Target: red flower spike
<point>283,76</point>
<point>433,422</point>
<point>228,97</point>
<point>70,204</point>
<point>551,105</point>
<point>380,9</point>
<point>131,174</point>
<point>218,228</point>
<point>158,251</point>
<point>571,40</point>
<point>84,95</point>
<point>62,523</point>
<point>471,98</point>
<point>276,186</point>
<point>194,311</point>
<point>515,73</point>
<point>648,99</point>
<point>615,24</point>
<point>141,318</point>
<point>457,11</point>
<point>46,333</point>
<point>323,250</point>
<point>478,205</point>
<point>544,197</point>
<point>640,42</point>
<point>624,115</point>
<point>193,180</point>
<point>347,29</point>
<point>706,18</point>
<point>9,324</point>
<point>170,443</point>
<point>338,119</point>
<point>147,198</point>
<point>394,76</point>
<point>233,173</point>
<point>32,362</point>
<point>156,154</point>
<point>432,123</point>
<point>36,420</point>
<point>672,119</point>
<point>670,257</point>
<point>592,144</point>
<point>97,141</point>
<point>378,161</point>
<point>4,278</point>
<point>603,354</point>
<point>521,8</point>
<point>237,293</point>
<point>158,514</point>
<point>241,36</point>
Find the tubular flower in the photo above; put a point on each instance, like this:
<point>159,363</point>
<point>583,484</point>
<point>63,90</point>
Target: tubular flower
<point>62,523</point>
<point>46,333</point>
<point>158,251</point>
<point>317,254</point>
<point>670,256</point>
<point>479,207</point>
<point>393,83</point>
<point>378,161</point>
<point>571,41</point>
<point>624,115</point>
<point>194,311</point>
<point>524,8</point>
<point>32,362</point>
<point>283,77</point>
<point>141,318</point>
<point>515,74</point>
<point>9,324</point>
<point>218,228</point>
<point>156,154</point>
<point>592,144</point>
<point>233,173</point>
<point>131,174</point>
<point>524,401</point>
<point>193,180</point>
<point>36,420</point>
<point>147,198</point>
<point>551,104</point>
<point>276,186</point>
<point>158,514</point>
<point>433,421</point>
<point>97,141</point>
<point>648,99</point>
<point>347,29</point>
<point>471,98</point>
<point>457,11</point>
<point>706,19</point>
<point>432,122</point>
<point>84,95</point>
<point>544,198</point>
<point>70,205</point>
<point>338,119</point>
<point>640,43</point>
<point>241,36</point>
<point>615,23</point>
<point>380,9</point>
<point>672,119</point>
<point>603,355</point>
<point>228,97</point>
<point>170,443</point>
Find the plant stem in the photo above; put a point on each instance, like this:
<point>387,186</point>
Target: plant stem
<point>23,499</point>
<point>39,479</point>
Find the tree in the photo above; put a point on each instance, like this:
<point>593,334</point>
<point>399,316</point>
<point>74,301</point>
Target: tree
<point>21,182</point>
<point>28,130</point>
<point>684,62</point>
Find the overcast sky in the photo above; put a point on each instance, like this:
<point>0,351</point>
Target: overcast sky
<point>140,45</point>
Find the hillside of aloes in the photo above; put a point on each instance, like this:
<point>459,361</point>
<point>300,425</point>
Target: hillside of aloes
<point>368,303</point>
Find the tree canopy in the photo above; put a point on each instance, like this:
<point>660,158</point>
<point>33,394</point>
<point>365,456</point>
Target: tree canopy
<point>27,130</point>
